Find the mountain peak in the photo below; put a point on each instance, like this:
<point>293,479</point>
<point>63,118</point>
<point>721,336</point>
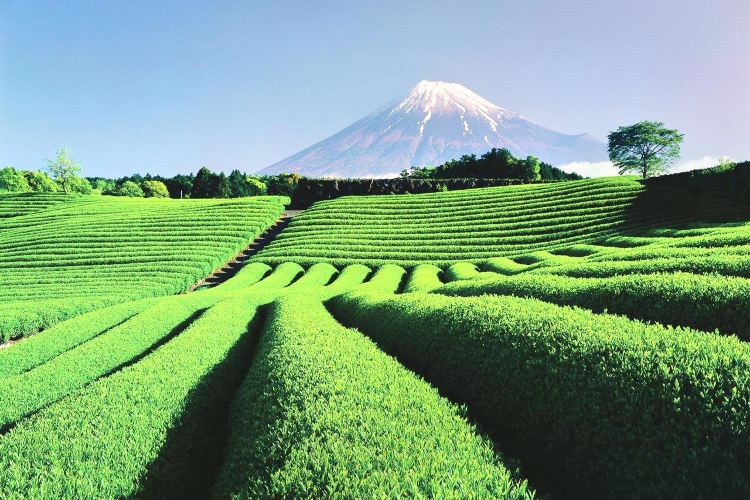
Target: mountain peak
<point>446,97</point>
<point>435,122</point>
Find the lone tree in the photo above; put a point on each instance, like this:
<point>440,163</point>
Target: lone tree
<point>646,147</point>
<point>63,169</point>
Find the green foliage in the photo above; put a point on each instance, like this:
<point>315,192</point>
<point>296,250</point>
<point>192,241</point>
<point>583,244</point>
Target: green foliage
<point>103,186</point>
<point>255,187</point>
<point>64,171</point>
<point>180,186</point>
<point>237,185</point>
<point>63,255</point>
<point>13,181</point>
<point>22,394</point>
<point>531,169</point>
<point>595,406</point>
<point>241,185</point>
<point>494,164</point>
<point>155,189</point>
<point>64,336</point>
<point>172,444</point>
<point>79,185</point>
<point>461,271</point>
<point>282,184</point>
<point>323,412</point>
<point>481,225</point>
<point>149,429</point>
<point>647,148</point>
<point>423,278</point>
<point>728,180</point>
<point>470,225</point>
<point>40,182</point>
<point>129,189</point>
<point>210,185</point>
<point>126,393</point>
<point>204,184</point>
<point>704,302</point>
<point>223,188</point>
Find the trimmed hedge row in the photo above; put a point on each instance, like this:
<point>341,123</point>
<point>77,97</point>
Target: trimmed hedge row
<point>440,227</point>
<point>323,412</point>
<point>704,302</point>
<point>69,254</point>
<point>25,393</point>
<point>149,430</point>
<point>66,335</point>
<point>22,318</point>
<point>593,405</point>
<point>423,278</point>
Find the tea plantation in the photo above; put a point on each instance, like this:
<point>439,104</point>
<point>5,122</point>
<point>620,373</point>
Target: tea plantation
<point>582,339</point>
<point>61,255</point>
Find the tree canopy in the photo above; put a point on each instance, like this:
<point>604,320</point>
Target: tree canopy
<point>12,180</point>
<point>129,188</point>
<point>646,147</point>
<point>64,170</point>
<point>155,189</point>
<point>494,164</point>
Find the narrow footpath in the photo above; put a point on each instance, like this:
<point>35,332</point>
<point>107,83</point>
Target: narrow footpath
<point>233,266</point>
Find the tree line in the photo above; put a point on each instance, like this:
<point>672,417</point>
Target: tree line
<point>203,184</point>
<point>62,174</point>
<point>498,163</point>
<point>647,147</point>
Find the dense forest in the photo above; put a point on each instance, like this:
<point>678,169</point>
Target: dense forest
<point>203,184</point>
<point>494,164</point>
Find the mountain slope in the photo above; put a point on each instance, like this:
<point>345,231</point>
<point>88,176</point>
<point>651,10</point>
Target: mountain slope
<point>435,122</point>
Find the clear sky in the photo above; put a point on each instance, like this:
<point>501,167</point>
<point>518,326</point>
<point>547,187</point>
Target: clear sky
<point>165,87</point>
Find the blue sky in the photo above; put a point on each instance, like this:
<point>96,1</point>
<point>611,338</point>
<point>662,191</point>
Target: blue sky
<point>166,87</point>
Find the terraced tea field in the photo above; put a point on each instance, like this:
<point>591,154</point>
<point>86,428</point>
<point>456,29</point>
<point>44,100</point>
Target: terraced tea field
<point>61,255</point>
<point>586,339</point>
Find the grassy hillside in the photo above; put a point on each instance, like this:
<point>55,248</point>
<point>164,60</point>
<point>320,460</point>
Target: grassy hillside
<point>584,340</point>
<point>137,409</point>
<point>61,255</point>
<point>480,224</point>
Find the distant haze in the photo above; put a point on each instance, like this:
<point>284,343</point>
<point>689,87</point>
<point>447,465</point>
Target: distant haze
<point>167,87</point>
<point>435,122</point>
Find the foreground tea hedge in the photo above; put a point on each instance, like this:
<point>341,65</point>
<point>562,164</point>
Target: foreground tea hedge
<point>149,429</point>
<point>593,405</point>
<point>702,302</point>
<point>324,413</point>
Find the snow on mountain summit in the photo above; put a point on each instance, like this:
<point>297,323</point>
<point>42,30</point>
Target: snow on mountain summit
<point>450,98</point>
<point>435,122</point>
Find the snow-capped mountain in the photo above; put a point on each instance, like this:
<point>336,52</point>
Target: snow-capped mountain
<point>435,122</point>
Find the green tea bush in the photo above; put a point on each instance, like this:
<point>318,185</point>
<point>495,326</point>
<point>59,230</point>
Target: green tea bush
<point>324,413</point>
<point>595,406</point>
<point>67,335</point>
<point>149,430</point>
<point>26,392</point>
<point>423,278</point>
<point>679,299</point>
<point>64,255</point>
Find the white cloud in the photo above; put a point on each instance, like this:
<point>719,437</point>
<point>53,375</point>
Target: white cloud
<point>590,169</point>
<point>703,162</point>
<point>605,168</point>
<point>336,175</point>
